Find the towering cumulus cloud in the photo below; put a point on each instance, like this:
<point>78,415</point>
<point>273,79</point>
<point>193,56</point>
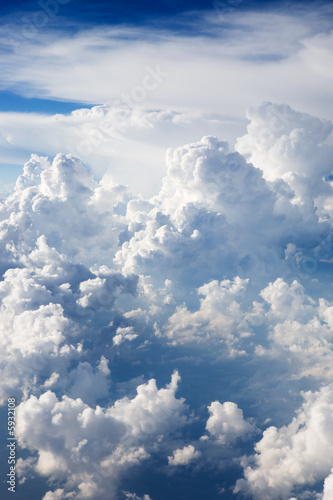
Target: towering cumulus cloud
<point>219,281</point>
<point>297,454</point>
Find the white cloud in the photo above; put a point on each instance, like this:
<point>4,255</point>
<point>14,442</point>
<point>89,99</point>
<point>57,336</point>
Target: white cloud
<point>290,145</point>
<point>288,301</point>
<point>208,266</point>
<point>36,337</point>
<point>58,494</point>
<point>328,487</point>
<point>46,293</point>
<point>129,143</point>
<point>206,217</point>
<point>88,384</point>
<point>183,456</point>
<point>87,448</point>
<point>299,329</point>
<point>203,218</point>
<point>318,54</point>
<point>246,60</point>
<point>280,140</point>
<point>101,292</point>
<point>218,318</point>
<point>65,189</point>
<point>133,496</point>
<point>226,422</point>
<point>152,411</point>
<point>297,454</point>
<point>123,334</point>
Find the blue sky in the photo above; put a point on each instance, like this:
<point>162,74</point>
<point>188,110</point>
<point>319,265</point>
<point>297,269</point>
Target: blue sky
<point>112,12</point>
<point>166,249</point>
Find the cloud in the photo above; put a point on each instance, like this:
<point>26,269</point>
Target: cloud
<point>291,146</point>
<point>288,301</point>
<point>318,54</point>
<point>205,229</point>
<point>133,496</point>
<point>58,494</point>
<point>280,140</point>
<point>103,290</point>
<point>64,188</point>
<point>218,318</point>
<point>241,48</point>
<point>299,328</point>
<point>328,487</point>
<point>245,58</point>
<point>152,411</point>
<point>36,336</point>
<point>123,334</point>
<point>184,456</point>
<point>226,422</point>
<point>86,448</point>
<point>47,294</point>
<point>89,384</point>
<point>297,454</point>
<point>128,141</point>
<point>203,217</point>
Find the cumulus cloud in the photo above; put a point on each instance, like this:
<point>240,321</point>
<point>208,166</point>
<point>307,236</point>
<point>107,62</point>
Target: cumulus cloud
<point>36,336</point>
<point>102,291</point>
<point>218,317</point>
<point>226,422</point>
<point>58,494</point>
<point>128,141</point>
<point>61,201</point>
<point>288,301</point>
<point>47,295</point>
<point>86,448</point>
<point>280,140</point>
<point>297,454</point>
<point>299,327</point>
<point>89,384</point>
<point>183,456</point>
<point>43,326</point>
<point>123,334</point>
<point>133,496</point>
<point>290,146</point>
<point>206,219</point>
<point>98,282</point>
<point>328,487</point>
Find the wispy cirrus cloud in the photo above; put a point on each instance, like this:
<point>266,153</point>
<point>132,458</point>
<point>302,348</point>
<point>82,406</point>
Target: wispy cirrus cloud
<point>243,52</point>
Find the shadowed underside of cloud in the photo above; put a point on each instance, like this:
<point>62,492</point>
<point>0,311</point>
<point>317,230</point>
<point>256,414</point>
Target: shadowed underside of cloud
<point>218,258</point>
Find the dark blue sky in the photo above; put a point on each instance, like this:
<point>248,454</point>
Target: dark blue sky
<point>113,12</point>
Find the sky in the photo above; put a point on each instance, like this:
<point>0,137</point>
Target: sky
<point>166,213</point>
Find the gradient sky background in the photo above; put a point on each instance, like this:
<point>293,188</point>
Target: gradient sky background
<point>137,244</point>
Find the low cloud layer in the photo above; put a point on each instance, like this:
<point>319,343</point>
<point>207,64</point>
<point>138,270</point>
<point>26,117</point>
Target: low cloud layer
<point>88,447</point>
<point>297,454</point>
<point>105,294</point>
